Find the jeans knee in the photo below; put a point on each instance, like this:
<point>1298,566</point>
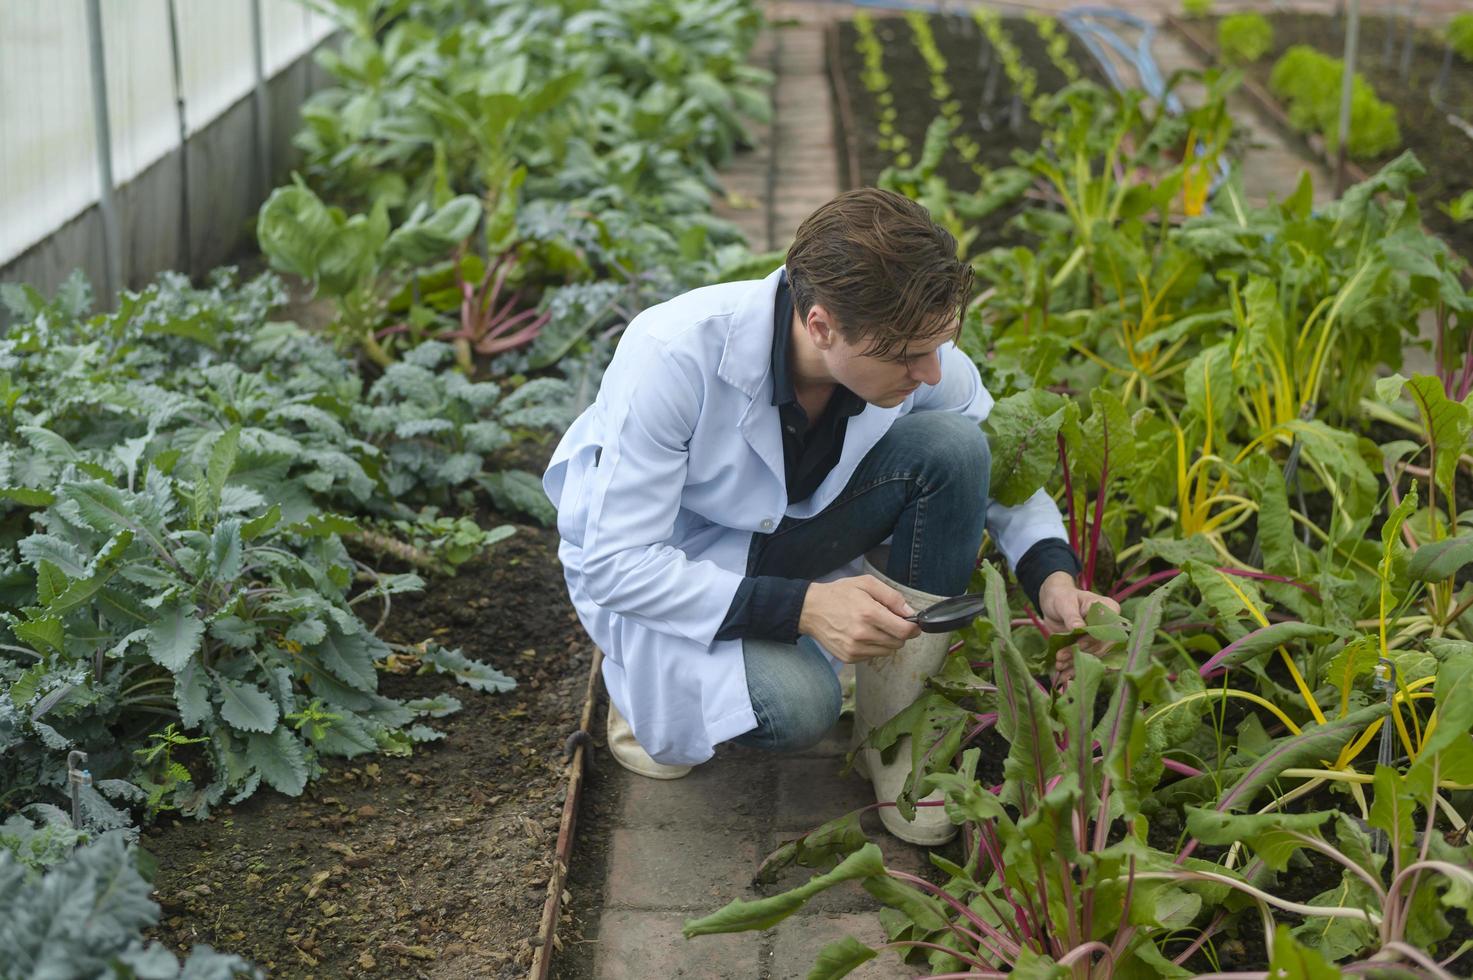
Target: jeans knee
<point>795,693</point>
<point>953,447</point>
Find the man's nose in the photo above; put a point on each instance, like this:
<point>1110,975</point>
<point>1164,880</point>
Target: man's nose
<point>927,370</point>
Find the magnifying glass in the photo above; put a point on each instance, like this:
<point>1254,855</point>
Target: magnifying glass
<point>950,614</point>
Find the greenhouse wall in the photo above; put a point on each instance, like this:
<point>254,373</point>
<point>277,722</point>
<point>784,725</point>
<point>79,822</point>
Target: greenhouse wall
<point>50,167</point>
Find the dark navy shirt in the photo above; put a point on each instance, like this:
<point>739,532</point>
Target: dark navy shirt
<point>767,607</point>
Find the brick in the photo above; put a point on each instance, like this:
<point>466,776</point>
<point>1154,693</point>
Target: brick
<point>696,868</point>
<point>636,945</point>
<point>835,744</point>
<point>810,792</point>
<point>721,793</point>
<point>800,937</point>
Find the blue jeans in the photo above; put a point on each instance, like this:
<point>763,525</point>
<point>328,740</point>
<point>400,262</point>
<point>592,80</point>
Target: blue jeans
<point>924,485</point>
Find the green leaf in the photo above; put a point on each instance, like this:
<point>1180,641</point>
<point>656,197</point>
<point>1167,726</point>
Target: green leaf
<point>840,958</point>
<point>925,911</point>
<point>419,241</point>
<point>1274,837</point>
<point>226,550</point>
<point>517,491</point>
<point>1313,746</point>
<point>50,582</point>
<point>28,496</point>
<point>257,526</point>
<point>1446,424</point>
<point>43,635</point>
<point>1441,560</point>
<point>474,674</point>
<point>192,695</point>
<point>222,462</point>
<point>1210,390</point>
<point>103,507</point>
<point>1453,694</point>
<point>1392,806</point>
<point>742,916</point>
<point>1293,961</point>
<point>349,659</point>
<point>1023,434</point>
<point>279,759</point>
<point>1263,641</point>
<point>174,638</point>
<point>246,706</point>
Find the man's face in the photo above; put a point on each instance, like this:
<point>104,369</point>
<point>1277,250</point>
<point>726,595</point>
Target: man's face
<point>883,381</point>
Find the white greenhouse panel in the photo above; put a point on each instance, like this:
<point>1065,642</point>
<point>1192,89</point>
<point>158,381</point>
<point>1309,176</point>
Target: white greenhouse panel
<point>48,163</point>
<point>48,160</point>
<point>140,84</point>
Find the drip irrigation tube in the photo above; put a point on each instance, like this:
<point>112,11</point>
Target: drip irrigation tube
<point>577,748</point>
<point>1092,26</point>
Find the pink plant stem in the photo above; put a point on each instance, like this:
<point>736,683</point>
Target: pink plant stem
<point>917,944</point>
<point>989,844</point>
<point>1084,949</point>
<point>1069,497</point>
<point>390,331</point>
<point>499,271</point>
<point>1121,594</point>
<point>1009,948</point>
<point>1181,768</point>
<point>1099,520</point>
<point>499,326</point>
<point>506,308</point>
<point>522,336</point>
<point>1201,939</point>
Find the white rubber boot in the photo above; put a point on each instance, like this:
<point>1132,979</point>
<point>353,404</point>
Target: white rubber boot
<point>887,686</point>
<point>627,751</point>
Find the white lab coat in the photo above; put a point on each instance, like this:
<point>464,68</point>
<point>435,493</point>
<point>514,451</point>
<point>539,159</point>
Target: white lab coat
<point>661,483</point>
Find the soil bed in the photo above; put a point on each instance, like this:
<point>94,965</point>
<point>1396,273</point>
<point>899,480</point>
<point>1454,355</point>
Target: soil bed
<point>1425,129</point>
<point>985,121</point>
<point>430,866</point>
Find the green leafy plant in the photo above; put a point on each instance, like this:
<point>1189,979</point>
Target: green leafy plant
<point>358,260</point>
<point>1309,82</point>
<point>171,548</point>
<point>1460,35</point>
<point>1244,38</point>
<point>86,917</point>
<point>1196,8</point>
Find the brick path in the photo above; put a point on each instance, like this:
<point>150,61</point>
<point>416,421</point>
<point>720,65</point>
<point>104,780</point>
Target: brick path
<point>685,848</point>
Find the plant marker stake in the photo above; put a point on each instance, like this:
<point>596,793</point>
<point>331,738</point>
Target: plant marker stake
<point>1386,681</point>
<point>77,778</point>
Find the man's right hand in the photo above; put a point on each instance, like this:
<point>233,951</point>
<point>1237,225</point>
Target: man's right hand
<point>856,618</point>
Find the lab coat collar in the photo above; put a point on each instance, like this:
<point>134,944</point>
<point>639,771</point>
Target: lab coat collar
<point>746,362</point>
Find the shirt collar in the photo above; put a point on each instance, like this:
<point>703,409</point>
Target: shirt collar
<point>782,335</point>
<point>846,403</point>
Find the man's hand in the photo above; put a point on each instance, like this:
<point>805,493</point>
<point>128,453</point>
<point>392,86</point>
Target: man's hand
<point>1063,606</point>
<point>856,618</point>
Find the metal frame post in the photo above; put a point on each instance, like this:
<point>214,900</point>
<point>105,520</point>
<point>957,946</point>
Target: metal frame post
<point>261,106</point>
<point>1352,41</point>
<point>107,204</point>
<point>186,234</point>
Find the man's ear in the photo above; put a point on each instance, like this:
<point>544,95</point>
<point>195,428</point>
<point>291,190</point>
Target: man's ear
<point>822,329</point>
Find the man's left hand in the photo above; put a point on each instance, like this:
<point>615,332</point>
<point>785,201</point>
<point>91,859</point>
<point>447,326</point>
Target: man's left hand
<point>1063,605</point>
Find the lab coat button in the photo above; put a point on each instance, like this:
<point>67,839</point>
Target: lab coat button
<point>767,524</point>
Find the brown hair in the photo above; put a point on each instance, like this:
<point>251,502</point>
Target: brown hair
<point>876,261</point>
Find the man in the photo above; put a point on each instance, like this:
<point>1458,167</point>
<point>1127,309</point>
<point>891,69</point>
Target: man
<point>751,443</point>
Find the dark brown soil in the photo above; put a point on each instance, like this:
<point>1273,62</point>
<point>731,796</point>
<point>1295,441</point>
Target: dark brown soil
<point>986,121</point>
<point>1425,129</point>
<point>435,865</point>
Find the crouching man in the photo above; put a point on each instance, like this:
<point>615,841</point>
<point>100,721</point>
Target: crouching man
<point>750,445</point>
